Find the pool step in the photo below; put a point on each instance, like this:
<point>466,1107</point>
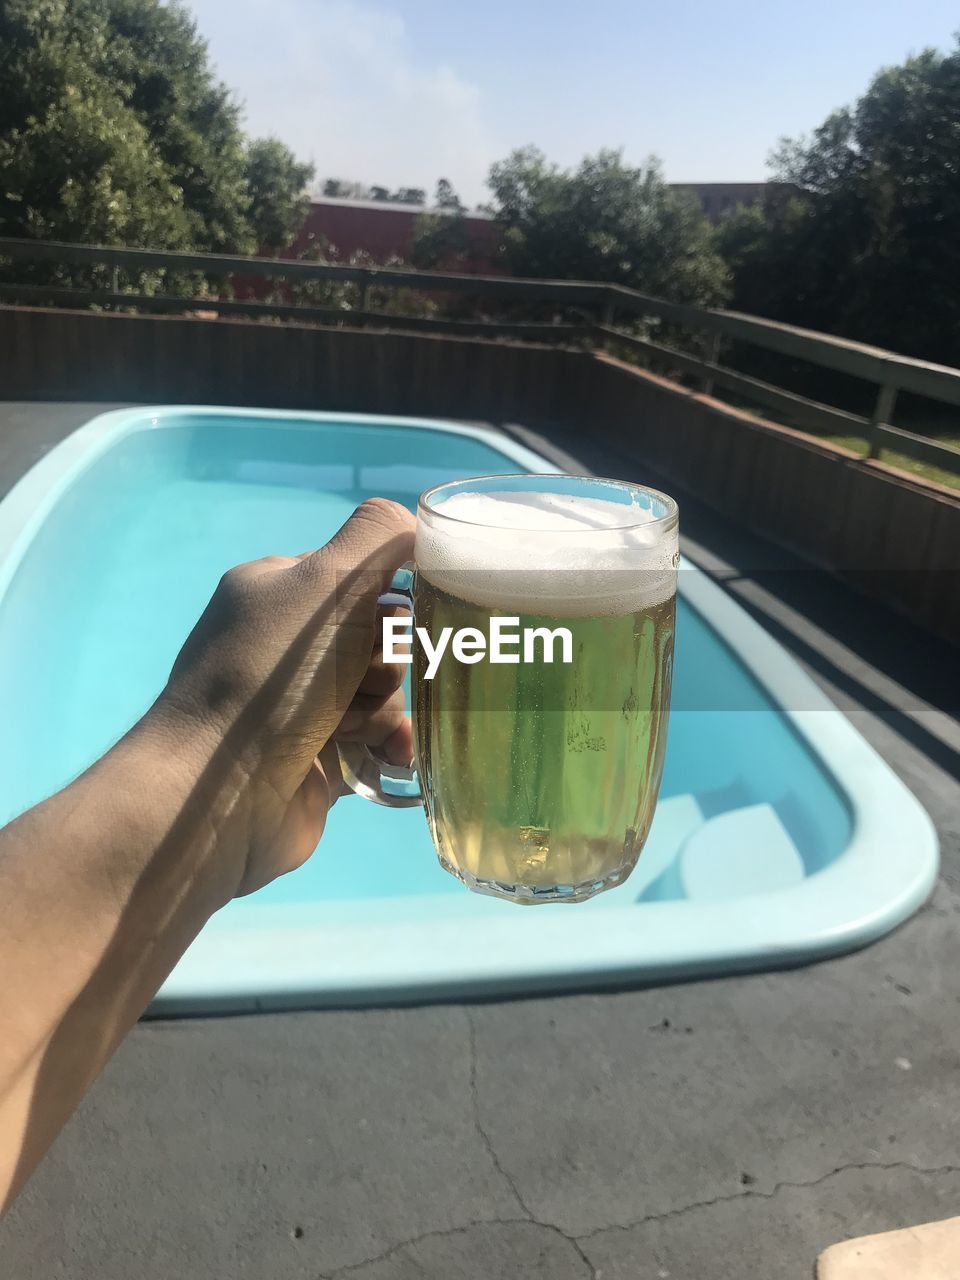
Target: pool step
<point>737,853</point>
<point>688,856</point>
<point>677,817</point>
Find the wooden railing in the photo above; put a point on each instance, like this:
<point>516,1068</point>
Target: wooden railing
<point>595,308</point>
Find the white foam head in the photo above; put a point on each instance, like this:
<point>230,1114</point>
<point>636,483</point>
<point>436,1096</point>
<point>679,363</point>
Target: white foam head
<point>549,553</point>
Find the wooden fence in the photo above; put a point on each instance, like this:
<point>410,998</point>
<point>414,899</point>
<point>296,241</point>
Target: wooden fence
<point>595,310</point>
<point>891,535</point>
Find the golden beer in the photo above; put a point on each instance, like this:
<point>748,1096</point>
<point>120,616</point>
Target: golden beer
<point>538,753</point>
<point>540,779</point>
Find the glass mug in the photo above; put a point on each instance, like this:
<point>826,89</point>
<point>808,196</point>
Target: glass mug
<point>539,778</point>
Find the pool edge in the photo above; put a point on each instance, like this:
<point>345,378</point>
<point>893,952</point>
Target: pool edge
<point>881,803</point>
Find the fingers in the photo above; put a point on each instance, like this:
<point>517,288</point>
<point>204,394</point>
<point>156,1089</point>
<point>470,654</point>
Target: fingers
<point>372,720</point>
<point>300,640</point>
<point>377,714</point>
<point>398,748</point>
<point>380,722</point>
<point>378,536</point>
<point>382,677</point>
<point>266,564</point>
<point>327,764</point>
<point>377,539</point>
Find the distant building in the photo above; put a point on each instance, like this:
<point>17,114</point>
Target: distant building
<point>385,229</point>
<point>718,198</point>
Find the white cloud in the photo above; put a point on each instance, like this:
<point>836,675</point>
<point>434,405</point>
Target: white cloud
<point>340,83</point>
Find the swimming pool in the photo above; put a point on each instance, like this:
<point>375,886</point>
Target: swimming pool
<point>780,835</point>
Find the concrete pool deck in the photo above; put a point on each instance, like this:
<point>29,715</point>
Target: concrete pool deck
<point>715,1129</point>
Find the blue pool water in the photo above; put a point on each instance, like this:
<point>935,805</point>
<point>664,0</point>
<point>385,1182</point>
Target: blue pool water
<point>104,591</point>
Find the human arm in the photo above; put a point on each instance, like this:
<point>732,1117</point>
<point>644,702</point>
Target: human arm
<point>224,784</point>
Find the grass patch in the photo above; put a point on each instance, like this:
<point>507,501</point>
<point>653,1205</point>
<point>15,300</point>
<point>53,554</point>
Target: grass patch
<point>934,428</point>
<point>926,470</point>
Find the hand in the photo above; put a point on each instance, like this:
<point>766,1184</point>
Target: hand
<point>285,661</point>
<point>224,784</point>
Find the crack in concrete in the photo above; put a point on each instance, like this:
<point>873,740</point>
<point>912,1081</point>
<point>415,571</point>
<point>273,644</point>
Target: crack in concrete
<point>591,1269</point>
<point>527,1220</point>
<point>752,1193</point>
<point>576,1242</point>
<point>450,1232</point>
<point>477,1124</point>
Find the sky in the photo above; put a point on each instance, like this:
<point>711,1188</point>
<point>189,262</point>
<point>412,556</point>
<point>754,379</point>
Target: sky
<point>402,92</point>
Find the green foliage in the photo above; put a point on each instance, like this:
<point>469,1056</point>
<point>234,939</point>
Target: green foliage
<point>278,202</point>
<point>394,302</point>
<point>445,197</point>
<point>114,130</point>
<point>85,171</point>
<point>441,240</point>
<point>606,221</point>
<point>340,188</point>
<point>347,296</point>
<point>868,246</point>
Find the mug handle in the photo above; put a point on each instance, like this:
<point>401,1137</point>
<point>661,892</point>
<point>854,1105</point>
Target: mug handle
<point>395,786</point>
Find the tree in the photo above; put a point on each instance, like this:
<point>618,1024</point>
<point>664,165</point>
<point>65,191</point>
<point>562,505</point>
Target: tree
<point>868,246</point>
<point>278,202</point>
<point>410,195</point>
<point>343,189</point>
<point>339,188</point>
<point>113,129</point>
<point>441,237</point>
<point>606,221</point>
<point>445,196</point>
<point>441,240</point>
<point>85,170</point>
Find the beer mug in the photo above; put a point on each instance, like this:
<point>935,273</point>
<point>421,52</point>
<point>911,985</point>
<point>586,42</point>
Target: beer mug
<point>540,729</point>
